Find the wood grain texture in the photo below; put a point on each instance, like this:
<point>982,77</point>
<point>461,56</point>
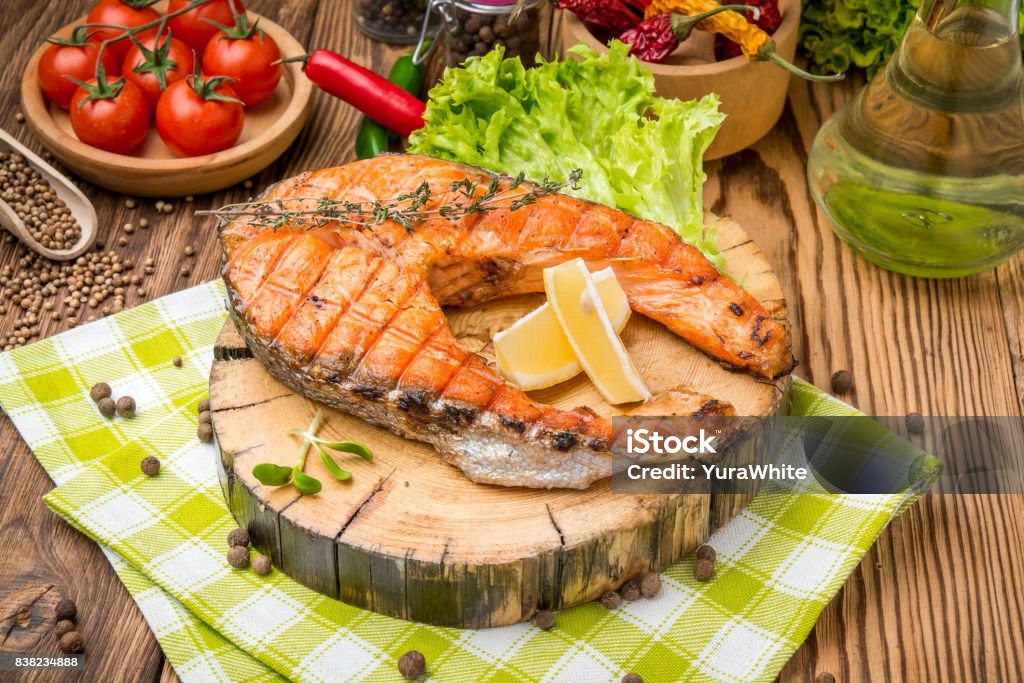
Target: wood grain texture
<point>412,537</point>
<point>938,598</point>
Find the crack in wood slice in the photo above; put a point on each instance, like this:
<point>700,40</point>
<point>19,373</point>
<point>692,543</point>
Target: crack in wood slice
<point>412,537</point>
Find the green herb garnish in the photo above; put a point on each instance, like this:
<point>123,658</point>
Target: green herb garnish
<point>270,474</point>
<point>406,209</point>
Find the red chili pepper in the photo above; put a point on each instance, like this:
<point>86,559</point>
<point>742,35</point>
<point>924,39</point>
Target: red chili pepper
<point>653,40</point>
<point>768,22</point>
<point>607,16</point>
<point>375,96</point>
<point>656,38</point>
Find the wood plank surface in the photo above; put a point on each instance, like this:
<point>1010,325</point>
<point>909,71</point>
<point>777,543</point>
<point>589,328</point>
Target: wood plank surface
<point>940,597</point>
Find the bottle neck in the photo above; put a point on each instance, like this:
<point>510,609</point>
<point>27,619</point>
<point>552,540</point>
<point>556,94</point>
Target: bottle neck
<point>960,55</point>
<point>934,13</point>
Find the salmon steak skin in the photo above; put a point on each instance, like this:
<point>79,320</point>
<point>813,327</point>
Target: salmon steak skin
<point>350,314</point>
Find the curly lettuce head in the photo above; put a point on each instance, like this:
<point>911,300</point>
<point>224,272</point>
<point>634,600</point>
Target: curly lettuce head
<point>597,112</point>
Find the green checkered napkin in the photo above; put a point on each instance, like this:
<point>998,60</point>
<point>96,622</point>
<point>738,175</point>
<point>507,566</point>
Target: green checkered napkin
<point>779,562</point>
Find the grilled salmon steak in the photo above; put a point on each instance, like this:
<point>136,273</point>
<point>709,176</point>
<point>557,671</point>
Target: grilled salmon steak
<point>349,314</point>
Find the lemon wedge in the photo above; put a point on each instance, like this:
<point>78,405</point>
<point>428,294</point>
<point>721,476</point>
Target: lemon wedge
<point>535,353</point>
<point>573,294</point>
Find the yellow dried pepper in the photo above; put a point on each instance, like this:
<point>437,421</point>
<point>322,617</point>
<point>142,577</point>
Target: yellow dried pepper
<point>755,43</point>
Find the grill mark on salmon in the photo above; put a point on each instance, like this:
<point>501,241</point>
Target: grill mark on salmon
<point>351,316</point>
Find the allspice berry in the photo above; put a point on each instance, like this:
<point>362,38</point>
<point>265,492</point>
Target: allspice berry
<point>150,466</point>
<point>706,552</point>
<point>205,432</point>
<point>126,406</point>
<point>915,423</point>
<point>206,417</point>
<point>611,600</point>
<point>650,585</point>
<point>203,406</point>
<point>99,391</point>
<point>545,619</point>
<point>176,361</point>
<point>107,407</point>
<point>842,381</point>
<point>66,610</point>
<point>632,678</point>
<point>824,677</point>
<point>261,565</point>
<point>238,537</point>
<point>71,643</point>
<point>238,556</point>
<point>703,570</point>
<point>412,665</point>
<point>63,626</point>
<point>631,590</point>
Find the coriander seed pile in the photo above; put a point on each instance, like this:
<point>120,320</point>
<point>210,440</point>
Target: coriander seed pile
<point>29,194</point>
<point>96,283</point>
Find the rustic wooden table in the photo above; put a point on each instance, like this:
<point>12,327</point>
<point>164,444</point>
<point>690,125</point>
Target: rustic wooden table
<point>940,596</point>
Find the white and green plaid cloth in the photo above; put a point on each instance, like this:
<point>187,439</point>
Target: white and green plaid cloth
<point>779,562</point>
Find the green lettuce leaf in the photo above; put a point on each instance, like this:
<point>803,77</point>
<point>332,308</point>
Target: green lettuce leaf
<point>597,112</point>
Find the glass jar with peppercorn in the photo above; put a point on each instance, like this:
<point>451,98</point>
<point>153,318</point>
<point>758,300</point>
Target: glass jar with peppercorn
<point>391,21</point>
<point>471,28</point>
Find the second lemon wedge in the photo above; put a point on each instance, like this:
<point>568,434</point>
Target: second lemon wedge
<point>535,353</point>
<point>575,299</point>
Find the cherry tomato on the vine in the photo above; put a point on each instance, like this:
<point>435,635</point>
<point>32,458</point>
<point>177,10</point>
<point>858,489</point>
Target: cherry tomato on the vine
<point>75,57</point>
<point>194,27</point>
<point>123,13</point>
<point>110,116</point>
<point>199,115</point>
<point>249,56</point>
<point>157,64</point>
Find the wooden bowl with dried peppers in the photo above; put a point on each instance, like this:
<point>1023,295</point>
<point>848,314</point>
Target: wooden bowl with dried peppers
<point>747,63</point>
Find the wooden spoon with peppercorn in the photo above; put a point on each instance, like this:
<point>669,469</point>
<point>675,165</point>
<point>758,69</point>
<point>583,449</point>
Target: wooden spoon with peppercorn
<point>78,206</point>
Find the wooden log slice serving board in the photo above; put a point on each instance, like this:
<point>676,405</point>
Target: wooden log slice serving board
<point>411,537</point>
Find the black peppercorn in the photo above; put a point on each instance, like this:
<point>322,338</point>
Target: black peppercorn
<point>412,665</point>
<point>238,556</point>
<point>703,569</point>
<point>151,466</point>
<point>915,423</point>
<point>63,626</point>
<point>842,381</point>
<point>107,407</point>
<point>71,643</point>
<point>126,406</point>
<point>261,565</point>
<point>631,590</point>
<point>706,552</point>
<point>66,609</point>
<point>238,537</point>
<point>650,585</point>
<point>545,619</point>
<point>205,432</point>
<point>611,600</point>
<point>632,678</point>
<point>99,391</point>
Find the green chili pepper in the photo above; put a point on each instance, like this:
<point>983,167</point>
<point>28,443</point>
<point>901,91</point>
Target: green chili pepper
<point>373,138</point>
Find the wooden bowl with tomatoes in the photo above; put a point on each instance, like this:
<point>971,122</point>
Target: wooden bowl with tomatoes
<point>194,114</point>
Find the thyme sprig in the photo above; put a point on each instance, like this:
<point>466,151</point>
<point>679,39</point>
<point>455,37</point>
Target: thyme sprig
<point>407,209</point>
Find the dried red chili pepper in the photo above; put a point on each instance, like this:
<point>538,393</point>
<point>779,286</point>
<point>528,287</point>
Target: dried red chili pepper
<point>611,17</point>
<point>769,21</point>
<point>656,38</point>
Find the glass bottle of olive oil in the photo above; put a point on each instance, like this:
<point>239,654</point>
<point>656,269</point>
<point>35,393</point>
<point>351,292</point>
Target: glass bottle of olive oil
<point>923,171</point>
